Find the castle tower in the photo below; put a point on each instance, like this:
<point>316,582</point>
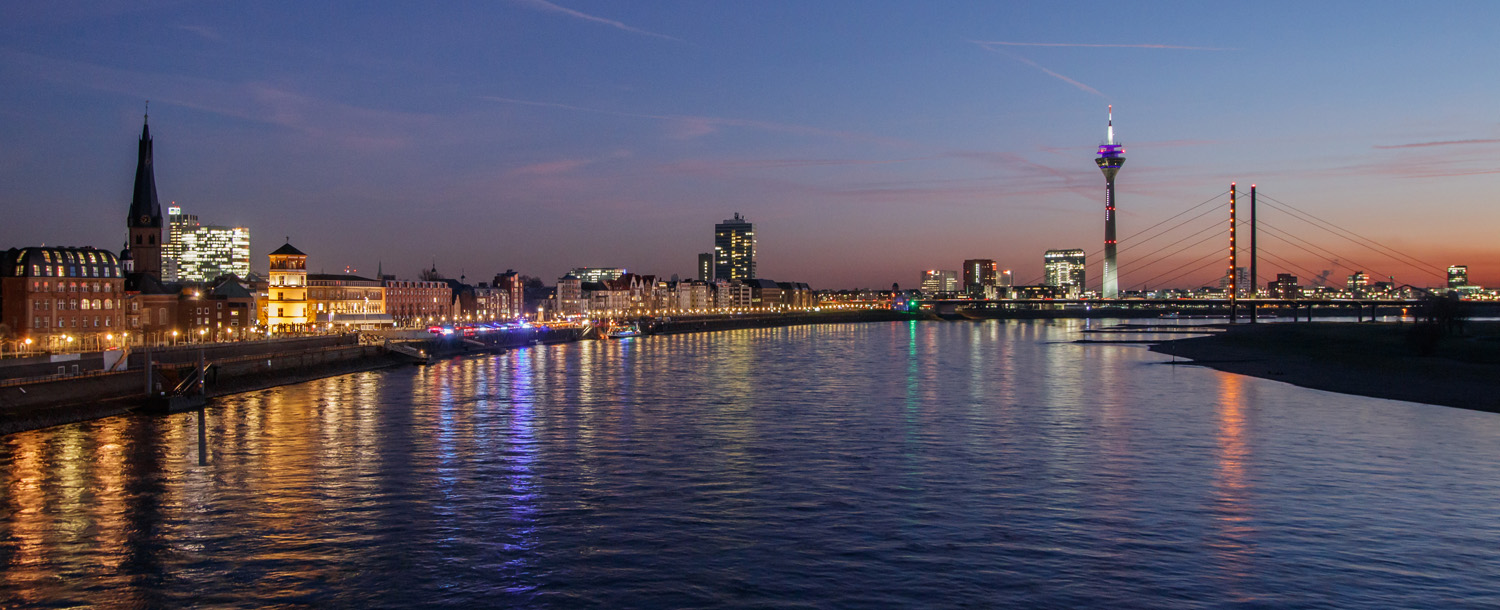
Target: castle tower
<point>1111,159</point>
<point>144,221</point>
<point>286,307</point>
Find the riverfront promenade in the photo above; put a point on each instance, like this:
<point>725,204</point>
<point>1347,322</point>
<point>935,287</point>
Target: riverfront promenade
<point>28,401</point>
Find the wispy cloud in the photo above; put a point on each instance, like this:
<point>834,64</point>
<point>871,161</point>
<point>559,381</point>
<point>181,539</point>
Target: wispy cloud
<point>550,168</point>
<point>1100,46</point>
<point>684,127</point>
<point>1438,143</point>
<point>1085,88</point>
<point>355,127</point>
<point>203,31</point>
<point>544,5</point>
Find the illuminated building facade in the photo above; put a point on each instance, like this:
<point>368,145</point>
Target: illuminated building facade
<point>597,274</point>
<point>1111,158</point>
<point>62,299</point>
<point>1458,276</point>
<point>417,302</point>
<point>197,253</point>
<point>286,309</point>
<point>978,274</point>
<point>1358,282</point>
<point>1065,269</point>
<point>734,249</point>
<point>939,281</point>
<point>339,301</point>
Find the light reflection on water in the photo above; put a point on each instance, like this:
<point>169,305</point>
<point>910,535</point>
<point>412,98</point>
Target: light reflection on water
<point>902,464</point>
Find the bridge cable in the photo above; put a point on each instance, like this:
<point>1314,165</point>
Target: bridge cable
<point>1362,240</point>
<point>1193,270</point>
<point>1179,251</point>
<point>1335,256</point>
<point>1095,255</point>
<point>1147,283</point>
<point>1335,262</point>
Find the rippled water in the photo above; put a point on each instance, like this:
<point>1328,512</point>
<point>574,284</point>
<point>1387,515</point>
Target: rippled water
<point>872,465</point>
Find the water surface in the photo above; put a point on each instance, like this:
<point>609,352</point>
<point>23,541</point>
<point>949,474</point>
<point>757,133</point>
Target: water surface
<point>865,465</point>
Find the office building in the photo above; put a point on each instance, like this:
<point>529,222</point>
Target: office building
<point>1458,276</point>
<point>734,249</point>
<point>1241,281</point>
<point>1065,269</point>
<point>591,275</point>
<point>198,253</point>
<point>939,281</point>
<point>706,267</point>
<point>978,274</point>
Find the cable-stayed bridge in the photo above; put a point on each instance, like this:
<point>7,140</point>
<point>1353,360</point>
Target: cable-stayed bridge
<point>1243,235</point>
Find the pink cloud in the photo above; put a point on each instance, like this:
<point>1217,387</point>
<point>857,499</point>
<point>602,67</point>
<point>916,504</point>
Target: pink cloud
<point>549,168</point>
<point>1438,143</point>
<point>1100,46</point>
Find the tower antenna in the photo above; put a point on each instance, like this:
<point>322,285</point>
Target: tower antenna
<point>1111,158</point>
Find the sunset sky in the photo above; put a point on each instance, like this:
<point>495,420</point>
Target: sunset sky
<point>866,139</point>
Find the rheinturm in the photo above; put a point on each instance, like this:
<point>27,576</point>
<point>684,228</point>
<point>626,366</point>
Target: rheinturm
<point>145,221</point>
<point>1111,158</point>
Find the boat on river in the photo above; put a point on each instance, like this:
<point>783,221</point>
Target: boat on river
<point>623,331</point>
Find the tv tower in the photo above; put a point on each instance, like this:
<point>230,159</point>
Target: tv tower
<point>1111,158</point>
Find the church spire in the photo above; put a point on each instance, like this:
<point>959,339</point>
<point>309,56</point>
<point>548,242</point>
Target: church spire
<point>145,210</point>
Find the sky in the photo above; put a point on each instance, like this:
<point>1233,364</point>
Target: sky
<point>866,139</point>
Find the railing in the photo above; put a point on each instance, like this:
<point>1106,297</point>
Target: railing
<point>16,381</point>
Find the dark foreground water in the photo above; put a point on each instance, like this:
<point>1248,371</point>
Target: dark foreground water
<point>873,465</point>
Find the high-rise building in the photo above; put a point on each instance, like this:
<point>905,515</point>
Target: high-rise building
<point>734,249</point>
<point>1065,269</point>
<point>1111,158</point>
<point>197,253</point>
<point>1007,278</point>
<point>1285,287</point>
<point>1241,281</point>
<point>939,281</point>
<point>706,267</point>
<point>144,221</point>
<point>177,224</point>
<point>979,273</point>
<point>1358,281</point>
<point>1458,276</point>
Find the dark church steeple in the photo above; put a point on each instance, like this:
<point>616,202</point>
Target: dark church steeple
<point>145,222</point>
<point>145,210</point>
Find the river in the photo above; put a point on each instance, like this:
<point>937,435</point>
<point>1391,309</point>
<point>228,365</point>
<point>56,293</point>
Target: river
<point>877,465</point>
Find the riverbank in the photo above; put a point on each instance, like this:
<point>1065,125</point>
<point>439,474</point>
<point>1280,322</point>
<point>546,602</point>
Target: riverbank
<point>237,368</point>
<point>1376,360</point>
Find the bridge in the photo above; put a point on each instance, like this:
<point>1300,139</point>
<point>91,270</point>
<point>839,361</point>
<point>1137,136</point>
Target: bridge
<point>1251,309</point>
<point>1192,241</point>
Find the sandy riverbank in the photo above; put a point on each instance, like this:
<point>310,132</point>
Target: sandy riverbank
<point>1363,359</point>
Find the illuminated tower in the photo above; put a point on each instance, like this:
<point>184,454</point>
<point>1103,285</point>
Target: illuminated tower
<point>1111,158</point>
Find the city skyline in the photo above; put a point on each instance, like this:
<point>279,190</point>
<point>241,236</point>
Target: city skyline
<point>958,137</point>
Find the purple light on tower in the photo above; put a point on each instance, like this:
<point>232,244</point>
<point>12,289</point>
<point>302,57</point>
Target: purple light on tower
<point>1111,158</point>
